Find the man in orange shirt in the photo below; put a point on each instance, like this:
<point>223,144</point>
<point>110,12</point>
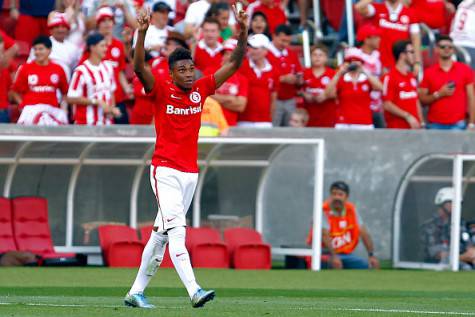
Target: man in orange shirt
<point>341,231</point>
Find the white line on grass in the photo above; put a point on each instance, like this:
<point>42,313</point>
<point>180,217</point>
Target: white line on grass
<point>367,310</point>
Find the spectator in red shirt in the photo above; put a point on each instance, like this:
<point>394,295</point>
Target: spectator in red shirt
<point>290,71</point>
<point>233,94</point>
<point>448,90</point>
<point>36,87</point>
<point>5,83</point>
<point>436,14</point>
<point>10,49</point>
<point>208,50</point>
<point>370,38</point>
<point>263,83</point>
<point>401,103</point>
<point>273,12</point>
<point>321,111</point>
<point>142,113</point>
<point>259,25</point>
<point>352,87</point>
<point>32,19</point>
<point>397,22</point>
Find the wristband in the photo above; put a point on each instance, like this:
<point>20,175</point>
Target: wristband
<point>370,254</point>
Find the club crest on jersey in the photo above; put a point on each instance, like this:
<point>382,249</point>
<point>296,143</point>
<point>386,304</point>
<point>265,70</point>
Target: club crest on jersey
<point>32,79</point>
<point>54,78</point>
<point>115,52</point>
<point>325,80</point>
<point>195,97</point>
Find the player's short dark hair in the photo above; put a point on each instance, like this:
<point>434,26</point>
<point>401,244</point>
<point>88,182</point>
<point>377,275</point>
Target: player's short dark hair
<point>210,20</point>
<point>443,37</point>
<point>283,28</point>
<point>400,47</point>
<point>43,39</point>
<point>179,54</point>
<point>320,46</point>
<point>340,185</point>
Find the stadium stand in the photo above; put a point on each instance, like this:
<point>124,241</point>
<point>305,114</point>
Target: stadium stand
<point>120,246</point>
<point>7,241</point>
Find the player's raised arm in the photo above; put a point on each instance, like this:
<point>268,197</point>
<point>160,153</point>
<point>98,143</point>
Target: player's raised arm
<point>228,69</point>
<point>144,74</point>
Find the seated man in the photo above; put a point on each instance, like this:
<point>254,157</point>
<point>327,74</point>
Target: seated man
<point>436,234</point>
<point>341,230</point>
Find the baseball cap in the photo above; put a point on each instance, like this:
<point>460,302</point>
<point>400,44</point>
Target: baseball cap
<point>58,19</point>
<point>341,185</point>
<point>258,41</point>
<point>353,54</point>
<point>161,6</point>
<point>104,13</point>
<point>93,39</point>
<point>366,31</point>
<point>230,44</point>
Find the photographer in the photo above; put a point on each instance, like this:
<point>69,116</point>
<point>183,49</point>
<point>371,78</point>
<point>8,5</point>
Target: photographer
<point>352,86</point>
<point>447,89</point>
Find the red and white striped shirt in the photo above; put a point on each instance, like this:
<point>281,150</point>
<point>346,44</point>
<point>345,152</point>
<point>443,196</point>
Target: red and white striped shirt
<point>92,82</point>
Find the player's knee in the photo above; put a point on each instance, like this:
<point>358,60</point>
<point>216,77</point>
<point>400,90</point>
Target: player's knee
<point>176,238</point>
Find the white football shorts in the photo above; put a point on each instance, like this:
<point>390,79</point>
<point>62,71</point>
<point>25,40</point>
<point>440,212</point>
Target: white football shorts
<point>174,192</point>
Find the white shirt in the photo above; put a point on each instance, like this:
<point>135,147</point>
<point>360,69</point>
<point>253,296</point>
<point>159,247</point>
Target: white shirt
<point>65,53</point>
<point>154,36</point>
<point>463,25</point>
<point>196,13</point>
<point>372,65</point>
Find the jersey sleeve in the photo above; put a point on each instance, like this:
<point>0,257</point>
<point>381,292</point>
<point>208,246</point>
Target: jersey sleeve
<point>20,85</point>
<point>77,85</point>
<point>389,90</point>
<point>468,76</point>
<point>207,85</point>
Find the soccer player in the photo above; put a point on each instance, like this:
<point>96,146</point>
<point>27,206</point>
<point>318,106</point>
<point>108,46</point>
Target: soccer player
<point>36,86</point>
<point>174,170</point>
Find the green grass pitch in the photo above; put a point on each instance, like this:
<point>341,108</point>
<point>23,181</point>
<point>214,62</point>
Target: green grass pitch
<point>72,292</point>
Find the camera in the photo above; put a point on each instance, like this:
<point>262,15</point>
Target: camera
<point>451,84</point>
<point>352,67</point>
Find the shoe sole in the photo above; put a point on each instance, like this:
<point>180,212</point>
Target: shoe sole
<point>129,304</point>
<point>204,300</point>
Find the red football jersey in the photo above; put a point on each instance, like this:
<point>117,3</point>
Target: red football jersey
<point>395,26</point>
<point>236,85</point>
<point>320,114</point>
<point>178,118</point>
<point>448,110</point>
<point>160,67</point>
<point>142,113</point>
<point>275,16</point>
<point>401,90</point>
<point>431,12</point>
<point>40,84</point>
<point>5,84</point>
<point>287,62</point>
<point>354,100</point>
<point>207,57</point>
<point>116,56</point>
<point>262,83</point>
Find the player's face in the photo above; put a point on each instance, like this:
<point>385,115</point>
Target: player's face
<point>257,54</point>
<point>319,58</point>
<point>296,121</point>
<point>183,74</point>
<point>445,49</point>
<point>258,24</point>
<point>223,18</point>
<point>210,33</point>
<point>410,55</point>
<point>447,206</point>
<point>100,49</point>
<point>60,32</point>
<point>338,198</point>
<point>282,40</point>
<point>41,53</point>
<point>106,26</point>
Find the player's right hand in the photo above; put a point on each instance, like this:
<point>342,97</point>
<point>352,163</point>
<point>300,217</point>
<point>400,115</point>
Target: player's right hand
<point>143,20</point>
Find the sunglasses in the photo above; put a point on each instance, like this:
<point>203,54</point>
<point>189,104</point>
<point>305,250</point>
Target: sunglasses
<point>446,46</point>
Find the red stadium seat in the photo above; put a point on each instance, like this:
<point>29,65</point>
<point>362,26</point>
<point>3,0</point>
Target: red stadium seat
<point>31,228</point>
<point>7,242</point>
<point>120,246</point>
<point>145,235</point>
<point>206,248</point>
<point>247,249</point>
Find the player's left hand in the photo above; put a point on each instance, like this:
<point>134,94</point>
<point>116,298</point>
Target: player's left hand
<point>373,262</point>
<point>241,18</point>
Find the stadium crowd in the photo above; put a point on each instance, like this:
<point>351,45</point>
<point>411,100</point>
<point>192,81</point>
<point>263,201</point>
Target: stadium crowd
<point>69,62</point>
